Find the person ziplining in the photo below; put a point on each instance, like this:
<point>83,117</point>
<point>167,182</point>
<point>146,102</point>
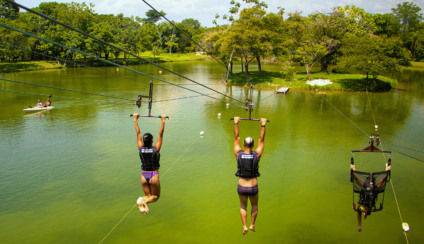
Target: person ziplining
<point>248,167</point>
<point>368,185</point>
<point>149,156</point>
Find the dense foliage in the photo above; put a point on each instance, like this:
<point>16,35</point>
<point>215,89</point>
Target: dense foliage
<point>133,34</point>
<point>345,38</point>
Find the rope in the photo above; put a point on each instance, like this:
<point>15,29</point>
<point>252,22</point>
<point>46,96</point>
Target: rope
<point>408,155</point>
<point>111,45</point>
<point>372,111</point>
<point>404,147</point>
<point>353,123</point>
<point>114,227</point>
<point>64,89</point>
<point>107,61</point>
<point>182,31</point>
<point>162,175</point>
<point>263,99</point>
<point>31,93</point>
<point>385,160</point>
<point>173,99</point>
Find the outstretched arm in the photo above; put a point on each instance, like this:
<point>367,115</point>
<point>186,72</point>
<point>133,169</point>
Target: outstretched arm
<point>260,149</point>
<point>137,129</point>
<point>237,147</point>
<point>160,137</point>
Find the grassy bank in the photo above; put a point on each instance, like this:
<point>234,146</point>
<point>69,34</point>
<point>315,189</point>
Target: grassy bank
<point>6,67</point>
<point>341,81</point>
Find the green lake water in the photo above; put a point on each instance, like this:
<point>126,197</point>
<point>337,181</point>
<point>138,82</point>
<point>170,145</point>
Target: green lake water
<point>72,175</point>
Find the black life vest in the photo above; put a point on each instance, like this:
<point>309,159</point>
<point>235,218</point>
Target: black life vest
<point>149,158</point>
<point>247,165</point>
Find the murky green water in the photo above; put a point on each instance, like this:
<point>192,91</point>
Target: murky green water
<point>72,175</point>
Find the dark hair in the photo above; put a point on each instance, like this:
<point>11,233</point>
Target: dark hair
<point>147,140</point>
<point>248,142</point>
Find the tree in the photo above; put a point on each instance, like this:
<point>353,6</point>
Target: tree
<point>8,10</point>
<point>410,18</point>
<point>154,16</point>
<point>310,48</point>
<point>368,54</point>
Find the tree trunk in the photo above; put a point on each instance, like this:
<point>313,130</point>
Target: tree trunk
<point>324,65</point>
<point>242,70</point>
<point>258,58</point>
<point>308,71</point>
<point>246,66</point>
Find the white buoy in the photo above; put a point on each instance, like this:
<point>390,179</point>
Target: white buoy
<point>202,133</point>
<point>405,226</point>
<point>219,115</point>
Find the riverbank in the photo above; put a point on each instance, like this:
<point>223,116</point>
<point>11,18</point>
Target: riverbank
<point>19,66</point>
<point>338,81</point>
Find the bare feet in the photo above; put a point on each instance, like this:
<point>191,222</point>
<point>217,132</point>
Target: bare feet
<point>245,230</point>
<point>252,228</point>
<point>142,206</point>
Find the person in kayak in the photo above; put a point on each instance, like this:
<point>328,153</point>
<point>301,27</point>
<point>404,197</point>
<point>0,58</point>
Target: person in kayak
<point>248,171</point>
<point>150,156</point>
<point>48,103</point>
<point>39,104</point>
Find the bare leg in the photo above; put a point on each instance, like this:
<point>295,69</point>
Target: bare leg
<point>254,213</point>
<point>243,212</point>
<point>146,188</point>
<point>359,216</point>
<point>153,189</point>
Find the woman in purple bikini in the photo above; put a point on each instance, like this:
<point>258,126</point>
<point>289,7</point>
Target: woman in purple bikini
<point>248,171</point>
<point>149,155</point>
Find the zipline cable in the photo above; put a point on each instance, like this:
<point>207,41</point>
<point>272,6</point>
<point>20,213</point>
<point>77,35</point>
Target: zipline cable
<point>100,70</point>
<point>109,62</point>
<point>180,98</point>
<point>421,160</point>
<point>162,175</point>
<point>65,89</point>
<point>38,94</point>
<point>182,31</point>
<point>118,48</point>
<point>70,61</point>
<point>335,108</point>
<point>393,144</point>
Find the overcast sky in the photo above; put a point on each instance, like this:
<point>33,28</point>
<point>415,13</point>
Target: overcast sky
<point>205,10</point>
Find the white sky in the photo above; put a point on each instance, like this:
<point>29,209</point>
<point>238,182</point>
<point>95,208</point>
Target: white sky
<point>205,10</point>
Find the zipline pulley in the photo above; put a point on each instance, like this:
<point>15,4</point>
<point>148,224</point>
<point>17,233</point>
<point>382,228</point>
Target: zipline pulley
<point>249,106</point>
<point>150,102</point>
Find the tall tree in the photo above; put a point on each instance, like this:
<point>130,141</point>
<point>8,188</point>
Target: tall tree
<point>410,18</point>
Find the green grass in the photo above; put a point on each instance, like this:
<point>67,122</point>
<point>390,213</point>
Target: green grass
<point>41,65</point>
<point>341,81</point>
<point>28,66</point>
<point>419,65</point>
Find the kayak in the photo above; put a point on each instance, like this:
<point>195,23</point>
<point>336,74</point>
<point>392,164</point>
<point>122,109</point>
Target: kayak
<point>38,109</point>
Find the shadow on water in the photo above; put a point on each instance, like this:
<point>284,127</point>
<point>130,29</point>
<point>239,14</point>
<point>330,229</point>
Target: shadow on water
<point>359,85</point>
